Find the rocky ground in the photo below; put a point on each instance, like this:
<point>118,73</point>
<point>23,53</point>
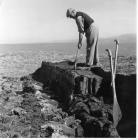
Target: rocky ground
<point>27,111</point>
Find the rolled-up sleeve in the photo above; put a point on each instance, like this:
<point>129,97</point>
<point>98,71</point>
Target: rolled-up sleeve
<point>80,24</point>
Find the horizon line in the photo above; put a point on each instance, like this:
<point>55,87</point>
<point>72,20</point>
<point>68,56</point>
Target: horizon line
<point>63,41</point>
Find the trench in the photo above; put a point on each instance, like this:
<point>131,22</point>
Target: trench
<point>88,95</point>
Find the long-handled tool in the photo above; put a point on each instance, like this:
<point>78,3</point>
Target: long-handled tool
<point>117,114</point>
<point>75,61</point>
<point>116,53</point>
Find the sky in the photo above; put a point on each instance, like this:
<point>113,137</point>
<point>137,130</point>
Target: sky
<point>29,21</point>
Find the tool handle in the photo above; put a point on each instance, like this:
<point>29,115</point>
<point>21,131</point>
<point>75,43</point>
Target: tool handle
<point>116,53</point>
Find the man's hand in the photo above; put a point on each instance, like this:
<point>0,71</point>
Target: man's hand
<point>79,45</point>
<point>80,40</point>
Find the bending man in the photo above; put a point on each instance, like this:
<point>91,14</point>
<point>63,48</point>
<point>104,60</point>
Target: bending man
<point>86,26</point>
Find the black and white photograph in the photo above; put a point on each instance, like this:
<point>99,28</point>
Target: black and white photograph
<point>68,68</point>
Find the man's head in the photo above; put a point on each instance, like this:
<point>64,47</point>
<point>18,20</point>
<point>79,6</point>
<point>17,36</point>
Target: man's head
<point>71,13</point>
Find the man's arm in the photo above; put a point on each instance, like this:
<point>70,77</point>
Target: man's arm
<point>80,24</point>
<point>80,40</point>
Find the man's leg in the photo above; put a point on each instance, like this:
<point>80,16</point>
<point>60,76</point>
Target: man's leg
<point>92,52</point>
<point>93,38</point>
<point>96,54</point>
<point>87,54</point>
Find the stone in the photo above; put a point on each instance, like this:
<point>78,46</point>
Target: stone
<point>47,132</point>
<point>37,87</point>
<point>68,131</point>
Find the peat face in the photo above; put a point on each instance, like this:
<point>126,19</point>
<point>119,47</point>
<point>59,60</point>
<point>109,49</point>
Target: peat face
<point>60,81</point>
<point>88,95</point>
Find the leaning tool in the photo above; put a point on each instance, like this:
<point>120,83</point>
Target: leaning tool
<point>75,61</point>
<point>116,53</point>
<point>117,114</point>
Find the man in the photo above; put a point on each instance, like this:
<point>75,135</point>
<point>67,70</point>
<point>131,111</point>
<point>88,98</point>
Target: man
<point>86,26</point>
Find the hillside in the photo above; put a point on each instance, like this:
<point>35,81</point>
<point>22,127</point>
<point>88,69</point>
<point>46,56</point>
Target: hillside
<point>127,44</point>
